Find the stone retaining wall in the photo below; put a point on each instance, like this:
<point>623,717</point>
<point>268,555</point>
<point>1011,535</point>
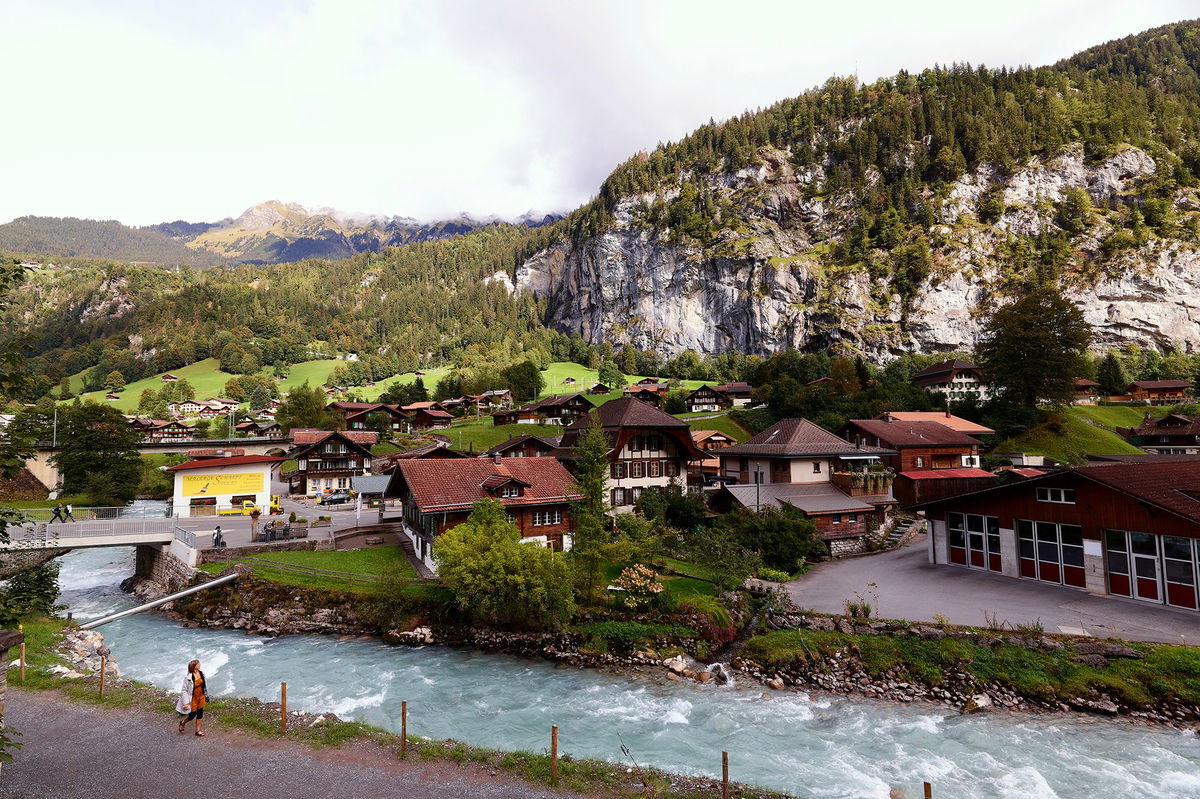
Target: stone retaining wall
<point>158,572</point>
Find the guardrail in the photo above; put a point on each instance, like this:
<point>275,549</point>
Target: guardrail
<point>186,536</point>
<point>65,533</point>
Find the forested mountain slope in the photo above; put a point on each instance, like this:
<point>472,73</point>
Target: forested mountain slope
<point>889,217</point>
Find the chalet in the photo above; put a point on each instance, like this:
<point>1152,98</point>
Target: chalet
<point>155,431</point>
<point>569,381</point>
<point>430,419</point>
<point>257,429</point>
<point>112,396</point>
<point>525,446</point>
<point>919,445</point>
<point>599,388</point>
<point>327,459</point>
<point>201,454</point>
<point>840,485</point>
<point>648,448</point>
<point>1087,392</point>
<point>1112,529</point>
<point>561,409</point>
<point>1173,434</point>
<point>954,379</point>
<point>739,394</point>
<point>496,398</point>
<point>1160,392</point>
<point>941,417</point>
<point>709,441</point>
<point>649,395</point>
<point>707,398</point>
<point>184,409</point>
<point>386,464</point>
<point>262,414</point>
<point>168,378</point>
<point>453,405</point>
<point>370,415</point>
<point>437,495</point>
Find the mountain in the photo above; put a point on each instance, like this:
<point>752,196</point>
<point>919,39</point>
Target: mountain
<point>270,232</point>
<point>890,217</point>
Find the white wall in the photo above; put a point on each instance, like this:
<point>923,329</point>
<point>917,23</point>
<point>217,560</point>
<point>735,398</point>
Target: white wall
<point>182,504</point>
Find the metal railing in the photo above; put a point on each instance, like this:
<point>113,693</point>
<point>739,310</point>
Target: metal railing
<point>186,536</point>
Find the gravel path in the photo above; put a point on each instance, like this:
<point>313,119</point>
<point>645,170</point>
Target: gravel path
<point>77,751</point>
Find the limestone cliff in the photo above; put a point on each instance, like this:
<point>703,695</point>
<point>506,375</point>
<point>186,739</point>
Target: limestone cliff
<point>769,283</point>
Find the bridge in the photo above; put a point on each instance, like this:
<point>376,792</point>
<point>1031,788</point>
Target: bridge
<point>45,470</point>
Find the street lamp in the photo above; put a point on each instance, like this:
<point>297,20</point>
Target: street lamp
<point>757,487</point>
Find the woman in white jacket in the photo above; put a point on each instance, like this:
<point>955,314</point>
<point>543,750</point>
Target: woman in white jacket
<point>192,698</point>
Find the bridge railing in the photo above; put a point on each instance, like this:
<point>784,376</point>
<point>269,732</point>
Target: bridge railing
<point>93,514</point>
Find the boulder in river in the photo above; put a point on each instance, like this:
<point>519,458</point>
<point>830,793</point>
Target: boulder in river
<point>979,703</point>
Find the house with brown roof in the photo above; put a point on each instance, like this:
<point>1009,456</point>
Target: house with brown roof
<point>840,485</point>
<point>256,428</point>
<point>327,459</point>
<point>525,446</point>
<point>370,415</point>
<point>707,398</point>
<point>599,388</point>
<point>918,445</point>
<point>1173,434</point>
<point>1111,529</point>
<point>437,495</point>
<point>649,395</point>
<point>708,441</point>
<point>430,419</point>
<point>1087,392</point>
<point>955,379</point>
<point>1160,392</point>
<point>162,430</point>
<point>941,417</point>
<point>648,448</point>
<point>561,409</point>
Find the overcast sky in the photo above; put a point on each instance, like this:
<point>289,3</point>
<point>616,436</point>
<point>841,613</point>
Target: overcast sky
<point>151,111</point>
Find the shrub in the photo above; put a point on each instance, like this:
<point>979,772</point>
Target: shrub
<point>773,575</point>
<point>640,584</point>
<point>292,516</point>
<point>710,618</point>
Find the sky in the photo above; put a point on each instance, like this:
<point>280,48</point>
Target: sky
<point>147,111</point>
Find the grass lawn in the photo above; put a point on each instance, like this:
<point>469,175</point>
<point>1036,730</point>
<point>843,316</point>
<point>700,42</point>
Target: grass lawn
<point>78,500</point>
<point>431,378</point>
<point>556,372</point>
<point>724,423</point>
<point>205,377</point>
<point>1072,442</point>
<point>1111,416</point>
<point>381,561</point>
<point>484,435</point>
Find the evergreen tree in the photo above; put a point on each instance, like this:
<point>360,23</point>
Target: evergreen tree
<point>305,406</point>
<point>591,513</point>
<point>1111,376</point>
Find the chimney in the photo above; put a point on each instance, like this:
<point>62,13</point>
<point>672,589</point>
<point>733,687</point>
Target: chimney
<point>887,416</point>
<point>947,413</point>
<point>496,458</point>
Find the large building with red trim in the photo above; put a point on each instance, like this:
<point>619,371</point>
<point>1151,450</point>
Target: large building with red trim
<point>327,459</point>
<point>918,445</point>
<point>1117,529</point>
<point>437,494</point>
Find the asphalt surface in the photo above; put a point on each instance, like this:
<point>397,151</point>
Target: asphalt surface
<point>909,587</point>
<point>76,751</point>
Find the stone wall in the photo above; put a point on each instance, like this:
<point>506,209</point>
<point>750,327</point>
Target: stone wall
<point>226,554</point>
<point>157,572</point>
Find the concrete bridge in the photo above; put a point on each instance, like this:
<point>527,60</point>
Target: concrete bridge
<point>44,469</point>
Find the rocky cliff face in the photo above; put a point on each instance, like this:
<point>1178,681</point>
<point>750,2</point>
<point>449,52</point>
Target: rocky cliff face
<point>770,283</point>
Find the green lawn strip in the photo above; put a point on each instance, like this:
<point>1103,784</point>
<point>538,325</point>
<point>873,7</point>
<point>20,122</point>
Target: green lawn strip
<point>1071,439</point>
<point>1166,673</point>
<point>589,777</point>
<point>387,562</point>
<point>482,434</point>
<point>1111,416</point>
<point>724,423</point>
<point>78,500</point>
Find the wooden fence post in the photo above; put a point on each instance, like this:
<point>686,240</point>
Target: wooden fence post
<point>403,728</point>
<point>22,661</point>
<point>103,668</point>
<point>283,707</point>
<point>928,791</point>
<point>554,752</point>
<point>724,775</point>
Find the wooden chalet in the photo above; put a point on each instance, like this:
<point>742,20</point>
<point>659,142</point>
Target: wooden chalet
<point>941,417</point>
<point>371,415</point>
<point>650,395</point>
<point>707,398</point>
<point>430,419</point>
<point>1087,392</point>
<point>955,379</point>
<point>1173,434</point>
<point>437,495</point>
<point>525,446</point>
<point>599,388</point>
<point>259,429</point>
<point>561,409</point>
<point>918,445</point>
<point>709,442</point>
<point>327,459</point>
<point>1160,392</point>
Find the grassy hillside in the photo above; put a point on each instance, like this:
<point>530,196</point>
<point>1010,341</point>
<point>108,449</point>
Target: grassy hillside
<point>205,377</point>
<point>723,423</point>
<point>1112,416</point>
<point>1076,433</point>
<point>483,435</point>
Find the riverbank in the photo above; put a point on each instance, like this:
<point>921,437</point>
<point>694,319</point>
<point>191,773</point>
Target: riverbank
<point>963,668</point>
<point>58,706</point>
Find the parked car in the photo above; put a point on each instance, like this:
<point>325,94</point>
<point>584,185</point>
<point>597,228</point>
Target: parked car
<point>336,498</point>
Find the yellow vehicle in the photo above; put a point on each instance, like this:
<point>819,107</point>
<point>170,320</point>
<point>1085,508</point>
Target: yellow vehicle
<point>276,504</point>
<point>246,509</point>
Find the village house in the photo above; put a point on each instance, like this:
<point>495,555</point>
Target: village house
<point>740,394</point>
<point>1087,392</point>
<point>649,395</point>
<point>386,464</point>
<point>954,379</point>
<point>185,409</point>
<point>919,445</point>
<point>941,417</point>
<point>370,415</point>
<point>561,409</point>
<point>648,448</point>
<point>707,398</point>
<point>1173,434</point>
<point>525,446</point>
<point>708,441</point>
<point>161,431</point>
<point>430,419</point>
<point>1116,529</point>
<point>257,429</point>
<point>327,459</point>
<point>840,485</point>
<point>168,378</point>
<point>437,495</point>
<point>495,398</point>
<point>599,388</point>
<point>204,486</point>
<point>1160,392</point>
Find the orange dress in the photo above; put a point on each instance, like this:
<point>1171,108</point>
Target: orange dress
<point>198,698</point>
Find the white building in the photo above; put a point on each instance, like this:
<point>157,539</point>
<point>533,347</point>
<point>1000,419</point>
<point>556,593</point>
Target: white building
<point>207,485</point>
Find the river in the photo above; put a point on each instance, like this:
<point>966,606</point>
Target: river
<point>817,746</point>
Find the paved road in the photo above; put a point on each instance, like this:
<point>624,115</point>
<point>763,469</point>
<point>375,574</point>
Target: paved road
<point>909,587</point>
<point>76,751</point>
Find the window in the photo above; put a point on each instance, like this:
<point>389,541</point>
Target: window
<point>1052,553</point>
<point>655,469</point>
<point>618,497</point>
<point>655,443</point>
<point>302,464</point>
<point>618,471</point>
<point>510,491</point>
<point>672,468</point>
<point>341,482</point>
<point>636,469</point>
<point>1062,496</point>
<point>816,467</point>
<point>636,444</point>
<point>920,461</point>
<point>542,518</point>
<point>974,541</point>
<point>837,518</point>
<point>852,518</point>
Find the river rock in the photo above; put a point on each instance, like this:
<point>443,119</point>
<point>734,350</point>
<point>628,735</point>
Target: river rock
<point>1122,651</point>
<point>676,664</point>
<point>776,684</point>
<point>819,623</point>
<point>1096,661</point>
<point>979,703</point>
<point>721,673</point>
<point>705,677</point>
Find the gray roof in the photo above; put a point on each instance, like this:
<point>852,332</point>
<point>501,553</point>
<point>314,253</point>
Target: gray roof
<point>800,438</point>
<point>813,498</point>
<point>370,483</point>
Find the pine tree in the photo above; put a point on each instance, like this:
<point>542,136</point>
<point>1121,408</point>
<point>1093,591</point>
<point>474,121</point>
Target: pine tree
<point>1111,376</point>
<point>591,513</point>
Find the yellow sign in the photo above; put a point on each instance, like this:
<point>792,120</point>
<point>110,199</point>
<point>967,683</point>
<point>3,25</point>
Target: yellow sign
<point>211,485</point>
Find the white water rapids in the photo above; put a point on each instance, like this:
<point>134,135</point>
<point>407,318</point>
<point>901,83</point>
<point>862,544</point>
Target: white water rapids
<point>812,746</point>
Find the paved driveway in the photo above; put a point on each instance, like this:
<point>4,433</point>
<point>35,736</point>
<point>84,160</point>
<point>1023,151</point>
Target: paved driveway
<point>909,587</point>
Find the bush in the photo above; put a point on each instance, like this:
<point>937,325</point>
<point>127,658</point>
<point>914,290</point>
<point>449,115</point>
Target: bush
<point>773,575</point>
<point>710,617</point>
<point>640,585</point>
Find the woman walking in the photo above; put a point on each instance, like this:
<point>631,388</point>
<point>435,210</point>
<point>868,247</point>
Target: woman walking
<point>192,698</point>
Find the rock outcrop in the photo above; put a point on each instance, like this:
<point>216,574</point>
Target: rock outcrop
<point>769,283</point>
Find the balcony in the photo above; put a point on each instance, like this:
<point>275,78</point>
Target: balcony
<point>864,483</point>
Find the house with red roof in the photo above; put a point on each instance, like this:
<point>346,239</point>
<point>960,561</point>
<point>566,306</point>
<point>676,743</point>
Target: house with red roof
<point>648,448</point>
<point>438,494</point>
<point>918,445</point>
<point>205,485</point>
<point>559,409</point>
<point>1160,392</point>
<point>327,459</point>
<point>370,415</point>
<point>1109,528</point>
<point>1173,434</point>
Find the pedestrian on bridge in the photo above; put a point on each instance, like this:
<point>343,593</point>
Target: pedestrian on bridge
<point>192,698</point>
<point>68,514</point>
<point>57,515</point>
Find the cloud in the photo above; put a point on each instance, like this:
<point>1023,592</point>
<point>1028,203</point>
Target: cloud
<point>144,111</point>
